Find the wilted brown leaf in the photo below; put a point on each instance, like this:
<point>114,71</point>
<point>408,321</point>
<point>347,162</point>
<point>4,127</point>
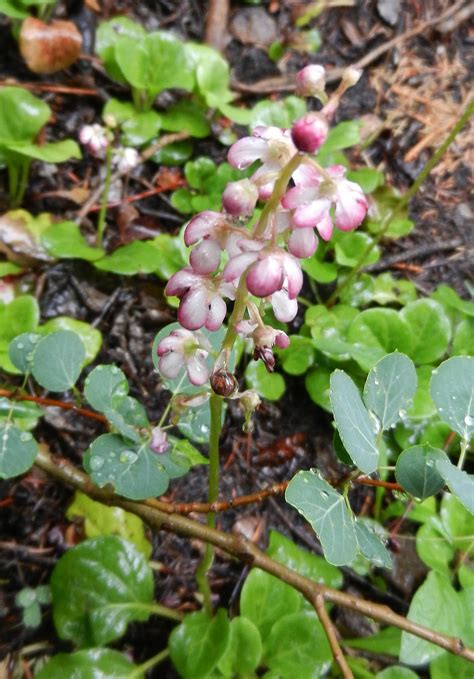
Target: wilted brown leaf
<point>48,48</point>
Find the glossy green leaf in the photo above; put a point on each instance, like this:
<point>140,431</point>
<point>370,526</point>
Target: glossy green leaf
<point>341,136</point>
<point>457,522</point>
<point>90,337</point>
<point>279,114</point>
<point>459,482</point>
<point>21,350</point>
<point>12,9</point>
<point>162,255</point>
<point>99,519</point>
<point>95,663</point>
<point>53,152</point>
<point>268,385</point>
<point>367,178</point>
<point>265,599</point>
<point>325,509</point>
<point>198,644</point>
<point>422,406</point>
<point>322,272</point>
<point>350,246</point>
<point>186,116</point>
<point>431,330</point>
<point>353,422</point>
<point>434,548</point>
<point>371,546</point>
<point>396,672</point>
<point>19,316</point>
<point>463,340</point>
<point>386,642</point>
<point>449,297</point>
<point>98,587</point>
<point>134,472</point>
<point>299,356</point>
<point>298,647</point>
<point>244,650</point>
<point>18,451</point>
<point>416,470</point>
<point>212,74</point>
<point>141,129</point>
<point>389,388</point>
<point>376,332</point>
<point>317,386</point>
<point>23,410</point>
<point>58,360</point>
<point>9,268</point>
<point>449,665</point>
<point>284,550</point>
<point>452,389</point>
<point>436,595</point>
<point>65,240</point>
<point>109,34</point>
<point>105,387</point>
<point>23,115</point>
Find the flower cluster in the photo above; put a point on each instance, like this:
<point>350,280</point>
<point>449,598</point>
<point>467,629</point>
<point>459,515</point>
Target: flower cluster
<point>238,255</point>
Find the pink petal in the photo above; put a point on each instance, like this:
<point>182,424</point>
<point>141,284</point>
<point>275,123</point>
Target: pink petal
<point>310,214</point>
<point>205,257</point>
<point>216,314</point>
<point>325,226</point>
<point>198,372</point>
<point>306,175</point>
<point>193,310</point>
<point>265,276</point>
<point>201,225</point>
<point>284,309</point>
<point>246,151</point>
<point>281,339</point>
<point>299,195</point>
<point>170,364</point>
<point>351,208</point>
<point>294,276</point>
<point>302,243</point>
<point>236,266</point>
<point>180,282</point>
<point>169,343</point>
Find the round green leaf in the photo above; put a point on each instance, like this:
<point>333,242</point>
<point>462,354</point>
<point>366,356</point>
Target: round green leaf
<point>95,663</point>
<point>371,545</point>
<point>53,152</point>
<point>317,386</point>
<point>265,599</point>
<point>187,116</point>
<point>396,672</point>
<point>109,34</point>
<point>389,388</point>
<point>326,510</point>
<point>353,422</point>
<point>460,483</point>
<point>376,332</point>
<point>18,451</point>
<point>350,247</point>
<point>268,385</point>
<point>21,350</point>
<point>21,315</point>
<point>105,387</point>
<point>299,356</point>
<point>90,337</point>
<point>422,406</point>
<point>244,651</point>
<point>463,340</point>
<point>98,587</point>
<point>65,240</point>
<point>135,472</point>
<point>58,360</point>
<point>452,389</point>
<point>23,115</point>
<point>298,647</point>
<point>416,470</point>
<point>431,330</point>
<point>434,549</point>
<point>198,643</point>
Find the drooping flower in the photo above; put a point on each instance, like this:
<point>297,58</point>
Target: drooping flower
<point>184,349</point>
<point>212,233</point>
<point>125,159</point>
<point>239,198</point>
<point>311,203</point>
<point>272,146</point>
<point>95,138</point>
<point>159,441</point>
<point>268,270</point>
<point>201,298</point>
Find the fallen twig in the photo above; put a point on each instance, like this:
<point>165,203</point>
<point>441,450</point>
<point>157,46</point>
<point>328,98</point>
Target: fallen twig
<point>420,251</point>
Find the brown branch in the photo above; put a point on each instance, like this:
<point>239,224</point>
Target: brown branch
<point>325,620</point>
<point>287,83</point>
<point>217,16</point>
<point>239,547</point>
<point>16,396</point>
<point>52,87</point>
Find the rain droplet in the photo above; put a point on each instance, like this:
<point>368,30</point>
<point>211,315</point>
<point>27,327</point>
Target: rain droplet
<point>96,463</point>
<point>469,420</point>
<point>324,494</point>
<point>128,457</point>
<point>25,437</point>
<point>114,370</point>
<point>20,345</point>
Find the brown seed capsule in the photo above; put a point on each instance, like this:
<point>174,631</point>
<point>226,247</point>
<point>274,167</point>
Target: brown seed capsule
<point>224,383</point>
<point>265,354</point>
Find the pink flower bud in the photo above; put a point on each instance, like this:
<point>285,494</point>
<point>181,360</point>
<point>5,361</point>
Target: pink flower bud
<point>95,139</point>
<point>310,80</point>
<point>125,159</point>
<point>310,132</point>
<point>159,441</point>
<point>239,198</point>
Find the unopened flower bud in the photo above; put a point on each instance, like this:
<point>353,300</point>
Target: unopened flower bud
<point>95,139</point>
<point>249,401</point>
<point>310,81</point>
<point>111,121</point>
<point>351,77</point>
<point>224,383</point>
<point>310,132</point>
<point>239,198</point>
<point>125,159</point>
<point>159,441</point>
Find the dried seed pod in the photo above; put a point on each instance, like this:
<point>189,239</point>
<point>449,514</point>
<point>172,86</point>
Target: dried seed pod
<point>224,383</point>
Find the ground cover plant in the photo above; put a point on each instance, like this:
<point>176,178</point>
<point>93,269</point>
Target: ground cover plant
<point>234,439</point>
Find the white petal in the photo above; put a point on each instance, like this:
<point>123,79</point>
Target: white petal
<point>246,151</point>
<point>216,314</point>
<point>236,266</point>
<point>198,372</point>
<point>193,310</point>
<point>205,257</point>
<point>284,309</point>
<point>171,364</point>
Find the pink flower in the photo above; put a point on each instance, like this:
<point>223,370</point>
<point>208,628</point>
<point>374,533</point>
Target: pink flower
<point>272,146</point>
<point>184,349</point>
<point>159,441</point>
<point>95,139</point>
<point>311,203</point>
<point>240,198</point>
<point>125,159</point>
<point>268,270</point>
<point>215,234</point>
<point>201,299</point>
<point>284,308</point>
<point>302,243</point>
<point>310,80</point>
<point>310,132</point>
